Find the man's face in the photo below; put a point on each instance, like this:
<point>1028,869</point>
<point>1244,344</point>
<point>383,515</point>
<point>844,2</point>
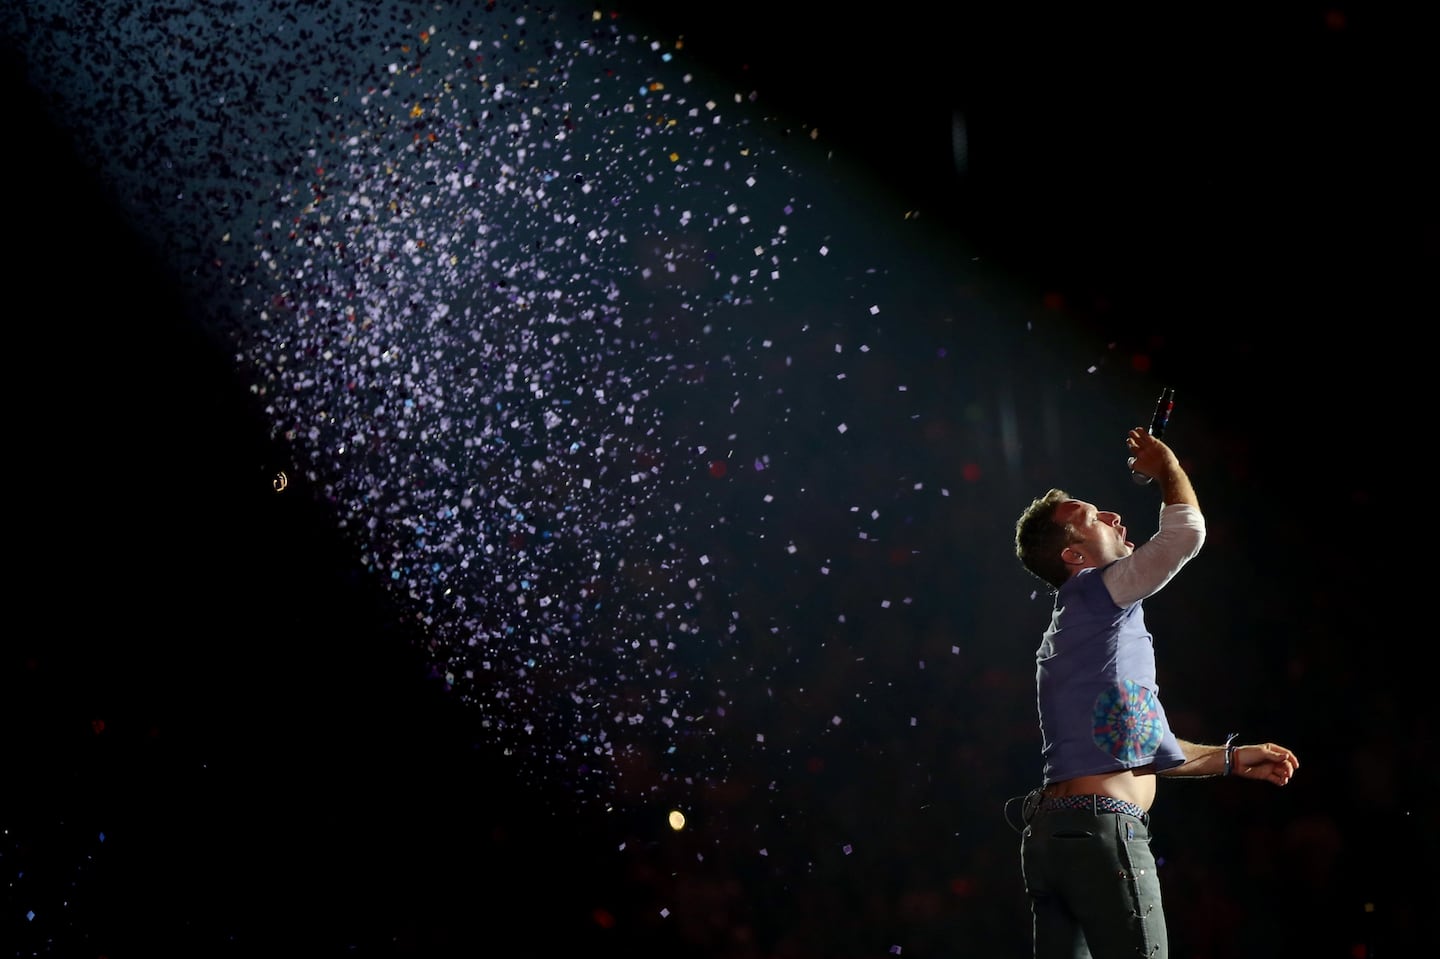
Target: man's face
<point>1102,537</point>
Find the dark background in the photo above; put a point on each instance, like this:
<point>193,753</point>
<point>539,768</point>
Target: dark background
<point>1241,198</point>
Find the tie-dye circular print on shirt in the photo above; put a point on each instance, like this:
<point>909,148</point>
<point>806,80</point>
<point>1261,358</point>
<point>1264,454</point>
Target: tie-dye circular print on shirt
<point>1128,724</point>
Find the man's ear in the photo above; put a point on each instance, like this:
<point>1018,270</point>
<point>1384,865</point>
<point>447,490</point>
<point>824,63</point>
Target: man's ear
<point>1071,556</point>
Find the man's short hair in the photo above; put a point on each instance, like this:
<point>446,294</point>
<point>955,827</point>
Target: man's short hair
<point>1039,540</point>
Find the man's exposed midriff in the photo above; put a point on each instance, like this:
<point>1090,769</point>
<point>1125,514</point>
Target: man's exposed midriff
<point>1132,785</point>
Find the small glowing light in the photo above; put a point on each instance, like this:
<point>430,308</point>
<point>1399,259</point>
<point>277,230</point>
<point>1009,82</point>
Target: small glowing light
<point>677,820</point>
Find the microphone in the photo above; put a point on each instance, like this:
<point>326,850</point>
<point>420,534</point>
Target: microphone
<point>1158,422</point>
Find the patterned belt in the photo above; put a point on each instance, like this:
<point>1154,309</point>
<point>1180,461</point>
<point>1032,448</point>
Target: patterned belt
<point>1096,804</point>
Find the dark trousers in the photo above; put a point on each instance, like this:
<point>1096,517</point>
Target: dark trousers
<point>1093,889</point>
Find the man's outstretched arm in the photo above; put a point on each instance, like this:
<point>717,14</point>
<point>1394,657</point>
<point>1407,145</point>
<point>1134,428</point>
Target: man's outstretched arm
<point>1264,761</point>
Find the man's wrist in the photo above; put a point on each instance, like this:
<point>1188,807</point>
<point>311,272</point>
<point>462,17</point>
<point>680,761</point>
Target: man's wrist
<point>1230,748</point>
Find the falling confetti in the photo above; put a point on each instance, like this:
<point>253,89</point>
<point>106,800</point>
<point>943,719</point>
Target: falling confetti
<point>493,278</point>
